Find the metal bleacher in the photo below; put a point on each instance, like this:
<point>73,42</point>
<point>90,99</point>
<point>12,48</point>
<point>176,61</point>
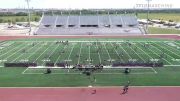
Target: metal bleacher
<point>88,25</point>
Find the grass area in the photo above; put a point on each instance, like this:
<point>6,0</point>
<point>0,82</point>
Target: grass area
<point>154,30</point>
<point>81,50</point>
<point>6,19</point>
<point>164,16</point>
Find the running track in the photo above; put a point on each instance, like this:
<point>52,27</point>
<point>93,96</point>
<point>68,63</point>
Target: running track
<point>84,94</point>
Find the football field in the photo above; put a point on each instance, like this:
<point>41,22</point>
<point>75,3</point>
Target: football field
<point>53,53</point>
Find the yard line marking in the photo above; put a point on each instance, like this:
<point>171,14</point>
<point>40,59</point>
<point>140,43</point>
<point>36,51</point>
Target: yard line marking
<point>60,55</point>
<point>15,52</point>
<point>107,51</point>
<point>89,54</point>
<point>35,51</point>
<point>139,73</point>
<point>51,53</point>
<point>80,54</point>
<point>137,54</point>
<point>22,54</point>
<point>116,52</point>
<point>172,65</point>
<point>158,55</point>
<point>168,50</point>
<point>143,51</point>
<point>161,51</point>
<point>12,44</point>
<point>172,48</point>
<point>125,51</point>
<point>154,70</point>
<point>11,50</point>
<point>98,54</point>
<point>43,52</point>
<point>24,71</point>
<point>71,52</point>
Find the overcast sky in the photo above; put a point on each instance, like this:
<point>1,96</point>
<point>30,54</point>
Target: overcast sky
<point>79,4</point>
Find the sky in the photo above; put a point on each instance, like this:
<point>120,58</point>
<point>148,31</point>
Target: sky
<point>83,4</point>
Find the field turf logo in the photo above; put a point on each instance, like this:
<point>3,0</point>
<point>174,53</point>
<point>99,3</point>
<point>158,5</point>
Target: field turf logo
<point>154,5</point>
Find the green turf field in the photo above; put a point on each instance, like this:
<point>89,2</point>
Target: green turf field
<point>163,16</point>
<point>154,30</point>
<point>89,51</point>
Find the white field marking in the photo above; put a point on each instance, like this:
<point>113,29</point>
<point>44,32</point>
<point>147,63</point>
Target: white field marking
<point>161,51</point>
<point>43,52</point>
<point>144,51</point>
<point>125,51</point>
<point>24,71</point>
<point>80,54</point>
<point>90,53</point>
<point>154,70</point>
<point>35,51</point>
<point>158,55</point>
<point>52,52</point>
<point>11,50</point>
<point>1,66</point>
<point>71,52</point>
<point>139,73</point>
<point>94,41</point>
<point>98,54</point>
<point>5,48</point>
<point>168,50</point>
<point>107,51</point>
<point>173,49</point>
<point>105,67</point>
<point>116,52</point>
<point>177,43</point>
<point>15,52</point>
<point>172,65</point>
<point>60,55</point>
<point>138,55</point>
<point>22,54</point>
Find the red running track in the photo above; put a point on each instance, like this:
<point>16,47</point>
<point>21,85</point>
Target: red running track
<point>84,94</point>
<point>176,37</point>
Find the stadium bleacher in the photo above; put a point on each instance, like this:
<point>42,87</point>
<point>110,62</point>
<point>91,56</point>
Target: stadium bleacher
<point>89,25</point>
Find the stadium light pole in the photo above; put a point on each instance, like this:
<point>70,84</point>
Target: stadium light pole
<point>29,16</point>
<point>148,2</point>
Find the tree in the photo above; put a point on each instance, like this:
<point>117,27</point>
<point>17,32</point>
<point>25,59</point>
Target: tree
<point>1,20</point>
<point>36,19</point>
